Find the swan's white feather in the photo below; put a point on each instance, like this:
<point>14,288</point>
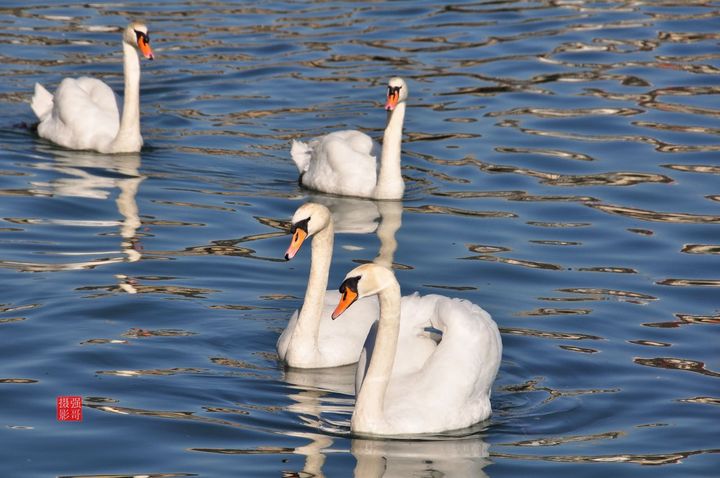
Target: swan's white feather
<point>84,114</point>
<point>339,341</point>
<point>341,162</point>
<point>301,153</point>
<point>42,102</point>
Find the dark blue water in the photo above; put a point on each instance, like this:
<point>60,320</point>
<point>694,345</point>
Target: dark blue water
<point>561,163</point>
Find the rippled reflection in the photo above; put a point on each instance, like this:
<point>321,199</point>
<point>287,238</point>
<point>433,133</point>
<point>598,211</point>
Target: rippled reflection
<point>687,319</point>
<point>677,364</point>
<point>657,216</point>
<point>89,176</point>
<point>639,459</point>
<point>534,385</point>
<point>398,458</point>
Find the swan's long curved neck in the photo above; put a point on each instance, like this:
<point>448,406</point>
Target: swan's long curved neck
<point>128,136</point>
<point>369,406</point>
<point>389,181</point>
<point>305,335</point>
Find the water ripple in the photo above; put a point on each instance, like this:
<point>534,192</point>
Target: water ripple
<point>543,138</point>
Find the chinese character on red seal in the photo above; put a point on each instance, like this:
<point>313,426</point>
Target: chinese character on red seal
<point>69,409</point>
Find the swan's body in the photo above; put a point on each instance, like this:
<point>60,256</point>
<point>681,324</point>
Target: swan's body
<point>450,390</point>
<point>83,113</point>
<point>344,162</point>
<point>312,339</point>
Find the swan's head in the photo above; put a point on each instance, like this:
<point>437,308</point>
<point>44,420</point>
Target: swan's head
<point>397,93</point>
<point>363,281</point>
<point>309,219</point>
<point>136,34</point>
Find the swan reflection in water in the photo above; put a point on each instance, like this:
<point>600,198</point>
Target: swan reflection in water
<point>364,216</point>
<point>94,176</point>
<point>320,393</point>
<point>463,457</point>
<point>450,458</point>
<point>326,392</point>
<point>378,458</point>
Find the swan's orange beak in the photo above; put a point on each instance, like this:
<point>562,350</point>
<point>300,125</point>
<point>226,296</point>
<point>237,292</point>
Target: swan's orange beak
<point>348,298</point>
<point>298,238</point>
<point>145,49</point>
<point>392,99</point>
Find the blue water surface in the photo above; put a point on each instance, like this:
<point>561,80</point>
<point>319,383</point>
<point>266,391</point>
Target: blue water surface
<point>561,164</point>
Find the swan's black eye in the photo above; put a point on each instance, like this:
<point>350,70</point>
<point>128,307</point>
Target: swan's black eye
<point>143,35</point>
<point>394,90</point>
<point>349,283</point>
<point>303,225</point>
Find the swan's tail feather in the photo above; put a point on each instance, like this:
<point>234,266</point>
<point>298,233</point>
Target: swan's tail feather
<point>42,102</point>
<point>301,154</point>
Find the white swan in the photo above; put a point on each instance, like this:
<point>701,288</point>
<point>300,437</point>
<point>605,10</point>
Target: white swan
<point>312,339</point>
<point>343,162</point>
<point>451,390</point>
<point>83,113</point>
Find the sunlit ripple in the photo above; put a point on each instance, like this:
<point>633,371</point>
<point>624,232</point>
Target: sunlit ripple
<point>639,459</point>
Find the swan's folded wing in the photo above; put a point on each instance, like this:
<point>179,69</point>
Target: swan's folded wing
<point>357,141</point>
<point>301,154</point>
<point>77,120</point>
<point>284,339</point>
<point>101,95</point>
<point>337,168</point>
<point>452,390</point>
<point>468,356</point>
